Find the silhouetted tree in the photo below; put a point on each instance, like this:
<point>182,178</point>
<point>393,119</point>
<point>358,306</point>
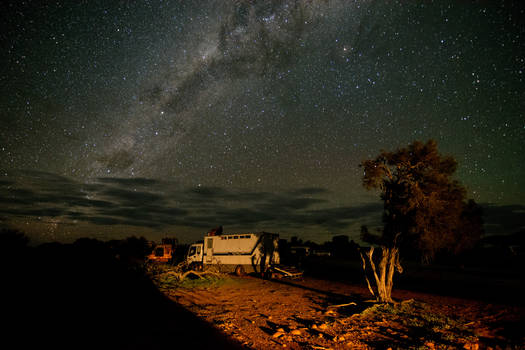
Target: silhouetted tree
<point>340,246</point>
<point>12,243</point>
<point>424,208</point>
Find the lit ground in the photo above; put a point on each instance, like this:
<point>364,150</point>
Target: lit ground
<point>306,314</point>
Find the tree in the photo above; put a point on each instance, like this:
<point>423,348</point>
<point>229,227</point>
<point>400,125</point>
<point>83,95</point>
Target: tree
<point>424,209</point>
<point>12,243</point>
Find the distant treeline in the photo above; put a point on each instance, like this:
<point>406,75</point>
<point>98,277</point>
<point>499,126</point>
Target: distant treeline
<point>500,251</point>
<point>132,251</point>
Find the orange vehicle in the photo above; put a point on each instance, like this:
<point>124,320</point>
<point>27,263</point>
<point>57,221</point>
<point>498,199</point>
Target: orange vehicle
<point>164,252</point>
<point>161,253</point>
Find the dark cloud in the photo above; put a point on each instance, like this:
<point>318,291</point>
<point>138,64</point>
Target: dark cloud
<point>209,192</point>
<point>289,203</point>
<point>148,203</point>
<point>31,212</point>
<point>102,220</point>
<point>341,215</point>
<point>131,197</point>
<point>309,191</point>
<point>16,196</point>
<point>151,203</point>
<point>133,182</point>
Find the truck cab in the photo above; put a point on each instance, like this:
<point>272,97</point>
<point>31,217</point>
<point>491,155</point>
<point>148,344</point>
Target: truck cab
<point>194,256</point>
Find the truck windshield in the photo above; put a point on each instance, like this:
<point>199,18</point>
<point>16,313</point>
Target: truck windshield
<point>192,251</point>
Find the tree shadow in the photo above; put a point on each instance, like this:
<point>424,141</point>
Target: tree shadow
<point>329,299</point>
<point>335,296</point>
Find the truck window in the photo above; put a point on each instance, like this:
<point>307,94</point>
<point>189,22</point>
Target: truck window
<point>210,243</point>
<point>192,251</point>
<point>198,250</point>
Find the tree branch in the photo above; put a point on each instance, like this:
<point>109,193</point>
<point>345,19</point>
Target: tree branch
<point>373,265</point>
<point>364,270</point>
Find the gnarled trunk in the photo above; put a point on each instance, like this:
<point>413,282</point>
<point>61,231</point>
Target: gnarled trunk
<point>383,273</point>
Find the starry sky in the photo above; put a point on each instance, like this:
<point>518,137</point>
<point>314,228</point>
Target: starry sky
<point>160,118</point>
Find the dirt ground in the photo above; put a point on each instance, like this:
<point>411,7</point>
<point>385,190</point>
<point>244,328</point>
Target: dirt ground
<point>308,314</point>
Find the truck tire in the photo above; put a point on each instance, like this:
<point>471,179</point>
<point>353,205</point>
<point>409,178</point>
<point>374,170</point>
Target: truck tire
<point>266,274</point>
<point>196,267</point>
<point>239,270</point>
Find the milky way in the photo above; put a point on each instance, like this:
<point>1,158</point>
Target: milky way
<point>276,100</point>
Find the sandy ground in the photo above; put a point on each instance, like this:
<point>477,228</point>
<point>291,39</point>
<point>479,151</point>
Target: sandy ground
<point>307,314</point>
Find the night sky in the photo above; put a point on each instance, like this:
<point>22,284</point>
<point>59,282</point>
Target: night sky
<point>160,118</point>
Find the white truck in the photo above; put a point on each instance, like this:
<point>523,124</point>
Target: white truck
<point>239,253</point>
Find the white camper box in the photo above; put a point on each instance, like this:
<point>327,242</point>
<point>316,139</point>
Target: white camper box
<point>239,253</point>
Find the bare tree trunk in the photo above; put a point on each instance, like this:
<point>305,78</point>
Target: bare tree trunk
<point>364,270</point>
<point>383,273</point>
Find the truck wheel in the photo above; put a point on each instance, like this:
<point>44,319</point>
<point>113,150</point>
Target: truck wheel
<point>239,270</point>
<point>196,267</point>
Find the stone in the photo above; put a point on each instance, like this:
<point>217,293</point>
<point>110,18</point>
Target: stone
<point>277,334</point>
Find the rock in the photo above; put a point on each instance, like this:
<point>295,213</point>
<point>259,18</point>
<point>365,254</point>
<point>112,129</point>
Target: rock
<point>430,345</point>
<point>323,326</point>
<point>277,334</point>
<point>295,332</point>
<point>339,338</point>
<point>280,330</point>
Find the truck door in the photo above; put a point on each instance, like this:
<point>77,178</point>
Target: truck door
<point>209,250</point>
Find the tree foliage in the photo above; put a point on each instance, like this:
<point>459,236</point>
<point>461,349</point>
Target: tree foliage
<point>424,208</point>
